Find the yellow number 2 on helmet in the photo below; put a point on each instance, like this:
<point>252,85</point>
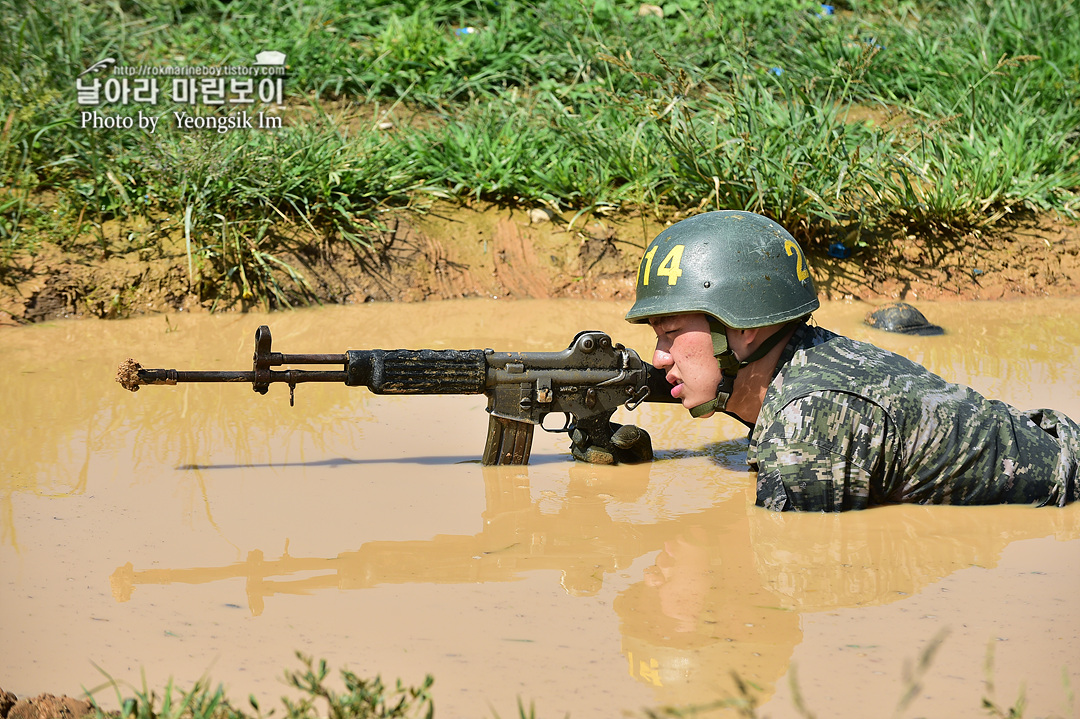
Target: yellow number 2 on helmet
<point>800,264</point>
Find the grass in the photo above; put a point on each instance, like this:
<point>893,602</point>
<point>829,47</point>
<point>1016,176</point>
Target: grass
<point>568,103</point>
<point>372,699</point>
<point>360,699</point>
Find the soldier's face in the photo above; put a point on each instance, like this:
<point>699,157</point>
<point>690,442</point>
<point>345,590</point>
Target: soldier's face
<point>684,350</point>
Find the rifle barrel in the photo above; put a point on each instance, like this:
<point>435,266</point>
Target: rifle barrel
<point>276,359</point>
<point>294,376</point>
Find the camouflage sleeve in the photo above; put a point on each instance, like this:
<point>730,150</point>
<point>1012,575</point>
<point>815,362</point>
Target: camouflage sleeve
<point>1065,479</point>
<point>822,453</point>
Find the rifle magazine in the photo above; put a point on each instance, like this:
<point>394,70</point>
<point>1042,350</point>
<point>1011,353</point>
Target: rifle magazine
<point>509,442</point>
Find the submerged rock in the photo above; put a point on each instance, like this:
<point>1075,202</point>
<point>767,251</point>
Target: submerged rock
<point>902,317</point>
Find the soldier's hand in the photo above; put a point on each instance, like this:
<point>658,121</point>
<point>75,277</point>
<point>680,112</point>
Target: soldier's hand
<point>629,444</point>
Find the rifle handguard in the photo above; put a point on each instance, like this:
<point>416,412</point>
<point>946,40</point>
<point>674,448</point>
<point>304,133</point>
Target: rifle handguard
<point>417,371</point>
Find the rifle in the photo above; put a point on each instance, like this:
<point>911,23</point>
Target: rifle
<point>586,383</point>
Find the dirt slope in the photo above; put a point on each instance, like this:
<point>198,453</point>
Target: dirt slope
<point>498,252</point>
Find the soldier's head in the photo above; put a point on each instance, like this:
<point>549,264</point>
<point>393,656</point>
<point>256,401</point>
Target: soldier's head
<point>709,274</point>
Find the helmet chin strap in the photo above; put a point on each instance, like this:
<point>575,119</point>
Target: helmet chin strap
<point>730,365</point>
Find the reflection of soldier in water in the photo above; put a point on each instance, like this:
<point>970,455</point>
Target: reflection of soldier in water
<point>722,596</point>
<point>701,617</point>
<point>723,601</point>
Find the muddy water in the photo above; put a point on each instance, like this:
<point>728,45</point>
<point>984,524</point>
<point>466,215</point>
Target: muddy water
<point>204,529</point>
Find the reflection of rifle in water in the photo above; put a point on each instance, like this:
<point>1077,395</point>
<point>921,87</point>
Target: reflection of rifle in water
<point>586,382</point>
<point>581,541</point>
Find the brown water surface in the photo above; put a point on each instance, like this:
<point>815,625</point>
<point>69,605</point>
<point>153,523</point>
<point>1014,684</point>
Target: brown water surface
<point>206,529</point>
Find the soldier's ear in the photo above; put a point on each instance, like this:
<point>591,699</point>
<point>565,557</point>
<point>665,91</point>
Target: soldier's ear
<point>743,340</point>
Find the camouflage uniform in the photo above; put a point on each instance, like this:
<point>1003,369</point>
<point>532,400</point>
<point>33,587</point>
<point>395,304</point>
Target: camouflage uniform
<point>846,425</point>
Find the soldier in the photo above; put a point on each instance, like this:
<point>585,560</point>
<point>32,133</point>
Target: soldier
<point>835,424</point>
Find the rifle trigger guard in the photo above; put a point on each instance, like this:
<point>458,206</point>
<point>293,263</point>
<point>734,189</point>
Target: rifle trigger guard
<point>637,399</point>
<point>564,429</point>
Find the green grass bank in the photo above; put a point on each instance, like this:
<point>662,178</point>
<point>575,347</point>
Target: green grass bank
<point>834,120</point>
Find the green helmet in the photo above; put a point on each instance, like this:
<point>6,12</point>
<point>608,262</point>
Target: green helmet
<point>737,267</point>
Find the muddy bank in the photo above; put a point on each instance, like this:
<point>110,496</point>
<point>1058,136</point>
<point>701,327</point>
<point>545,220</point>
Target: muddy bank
<point>452,252</point>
